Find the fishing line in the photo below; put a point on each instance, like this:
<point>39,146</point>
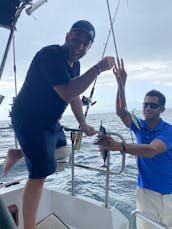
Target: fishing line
<point>103,53</point>
<point>118,63</point>
<point>79,135</point>
<point>108,37</point>
<point>112,30</point>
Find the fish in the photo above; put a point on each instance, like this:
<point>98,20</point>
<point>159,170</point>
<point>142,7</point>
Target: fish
<point>104,152</point>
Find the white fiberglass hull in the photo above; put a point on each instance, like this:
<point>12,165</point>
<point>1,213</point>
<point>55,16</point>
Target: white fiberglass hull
<point>77,212</point>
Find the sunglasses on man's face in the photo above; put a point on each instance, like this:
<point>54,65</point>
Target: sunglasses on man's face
<point>151,105</point>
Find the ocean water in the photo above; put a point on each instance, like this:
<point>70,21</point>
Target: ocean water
<point>88,183</point>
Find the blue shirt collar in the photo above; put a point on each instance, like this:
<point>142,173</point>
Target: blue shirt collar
<point>158,127</point>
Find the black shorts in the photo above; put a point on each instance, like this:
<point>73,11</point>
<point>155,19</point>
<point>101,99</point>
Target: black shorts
<point>38,145</point>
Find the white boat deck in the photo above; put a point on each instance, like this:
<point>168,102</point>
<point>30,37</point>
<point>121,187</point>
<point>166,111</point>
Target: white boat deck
<point>76,212</point>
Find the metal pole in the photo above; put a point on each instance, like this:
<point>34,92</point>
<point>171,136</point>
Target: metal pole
<point>145,218</point>
<point>73,161</point>
<point>6,51</point>
<point>18,12</point>
<point>107,180</point>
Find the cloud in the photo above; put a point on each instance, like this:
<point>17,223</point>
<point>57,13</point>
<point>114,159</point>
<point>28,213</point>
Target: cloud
<point>154,72</point>
<point>9,83</point>
<point>143,36</point>
<point>151,72</point>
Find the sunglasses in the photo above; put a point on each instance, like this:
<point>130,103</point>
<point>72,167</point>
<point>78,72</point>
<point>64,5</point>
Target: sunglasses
<point>151,105</point>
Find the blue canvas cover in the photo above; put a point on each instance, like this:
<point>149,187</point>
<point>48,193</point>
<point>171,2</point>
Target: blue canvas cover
<point>7,12</point>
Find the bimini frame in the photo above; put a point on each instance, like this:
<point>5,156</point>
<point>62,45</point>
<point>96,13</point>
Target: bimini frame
<point>19,8</point>
<point>12,29</point>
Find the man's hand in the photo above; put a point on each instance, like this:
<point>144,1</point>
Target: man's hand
<point>88,130</point>
<point>120,73</point>
<point>107,142</point>
<point>105,64</point>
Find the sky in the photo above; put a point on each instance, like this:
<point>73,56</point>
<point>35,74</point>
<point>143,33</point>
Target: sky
<point>143,36</point>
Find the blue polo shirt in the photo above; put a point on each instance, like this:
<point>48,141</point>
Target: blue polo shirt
<point>155,173</point>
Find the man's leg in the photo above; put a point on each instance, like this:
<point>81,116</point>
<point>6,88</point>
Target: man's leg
<point>167,209</point>
<point>150,203</point>
<point>13,156</point>
<point>31,198</point>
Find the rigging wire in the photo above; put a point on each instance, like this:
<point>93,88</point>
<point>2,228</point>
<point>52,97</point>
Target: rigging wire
<point>15,81</point>
<point>14,67</point>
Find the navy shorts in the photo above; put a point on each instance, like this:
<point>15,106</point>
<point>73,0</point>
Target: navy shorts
<point>38,145</point>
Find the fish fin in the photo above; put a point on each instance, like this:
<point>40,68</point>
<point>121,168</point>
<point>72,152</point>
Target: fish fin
<point>135,120</point>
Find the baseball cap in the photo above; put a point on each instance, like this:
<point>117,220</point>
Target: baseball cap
<point>85,26</point>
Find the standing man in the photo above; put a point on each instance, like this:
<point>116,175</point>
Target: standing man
<point>53,80</point>
<point>153,151</point>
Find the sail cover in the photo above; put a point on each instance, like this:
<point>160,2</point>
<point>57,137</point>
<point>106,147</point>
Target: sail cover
<point>8,9</point>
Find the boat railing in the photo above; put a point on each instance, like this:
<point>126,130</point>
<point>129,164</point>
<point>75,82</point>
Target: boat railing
<point>142,215</point>
<point>107,170</point>
<point>6,128</point>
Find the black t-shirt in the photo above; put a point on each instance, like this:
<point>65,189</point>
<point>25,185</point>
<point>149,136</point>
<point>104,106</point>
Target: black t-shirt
<point>37,101</point>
